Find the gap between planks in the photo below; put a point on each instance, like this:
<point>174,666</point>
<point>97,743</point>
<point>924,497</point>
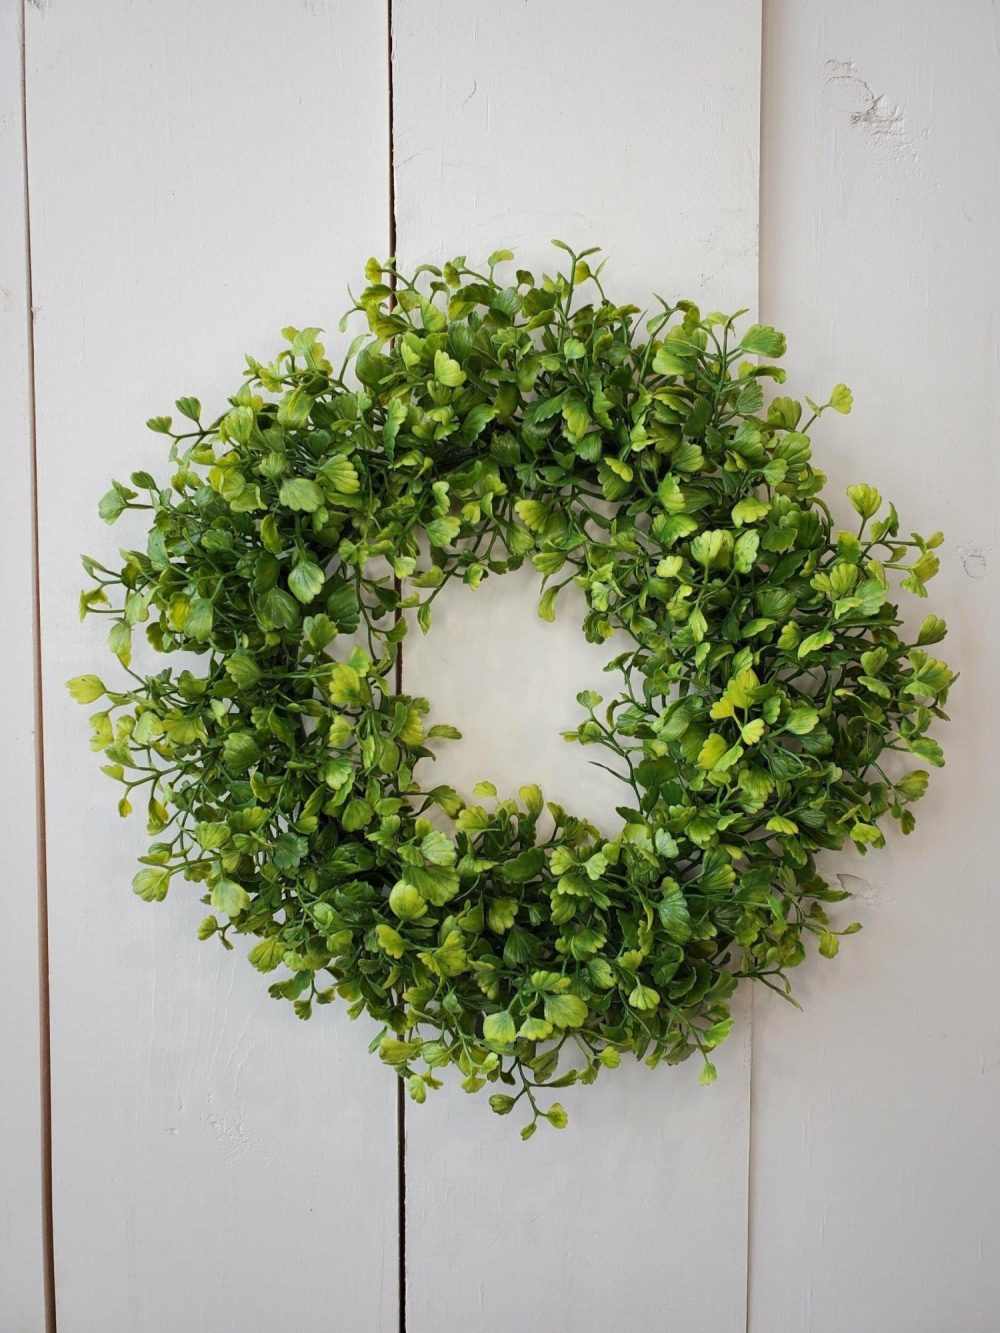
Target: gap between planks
<point>44,1011</point>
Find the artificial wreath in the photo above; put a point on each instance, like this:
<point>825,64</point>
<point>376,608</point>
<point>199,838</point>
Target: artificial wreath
<point>767,701</point>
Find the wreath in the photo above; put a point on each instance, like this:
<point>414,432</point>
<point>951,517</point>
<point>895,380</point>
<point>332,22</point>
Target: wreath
<point>767,697</point>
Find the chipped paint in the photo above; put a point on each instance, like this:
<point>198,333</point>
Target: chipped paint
<point>865,108</point>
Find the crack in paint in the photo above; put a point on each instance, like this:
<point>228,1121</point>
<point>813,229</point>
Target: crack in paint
<point>865,108</point>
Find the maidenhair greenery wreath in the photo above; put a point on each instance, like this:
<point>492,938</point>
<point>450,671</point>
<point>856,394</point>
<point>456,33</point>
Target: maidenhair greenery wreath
<point>767,702</point>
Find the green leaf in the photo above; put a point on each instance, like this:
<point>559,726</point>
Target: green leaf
<point>111,505</point>
<point>576,417</point>
<point>300,493</point>
<point>749,510</point>
<point>812,643</point>
<point>276,609</point>
<point>712,750</point>
<point>841,399</point>
<point>240,751</point>
<point>438,848</point>
<point>672,360</point>
<point>745,552</point>
<point>438,884</point>
<point>523,867</point>
<point>865,499</point>
<point>670,495</point>
<point>229,897</point>
<point>407,903</point>
<point>927,749</point>
<point>447,371</point>
<point>779,824</point>
<point>346,686</point>
<point>565,1011</point>
<point>306,580</point>
<point>672,909</point>
<point>751,732</point>
<point>443,531</point>
<point>190,408</point>
<point>390,941</point>
<point>85,689</point>
<point>152,885</point>
<point>644,997</point>
<point>533,514</point>
<point>933,630</point>
<point>500,1028</point>
<point>763,340</point>
<point>295,408</point>
<point>211,834</point>
<point>267,954</point>
<point>243,670</point>
<point>200,619</point>
<point>342,476</point>
<point>547,604</point>
<point>535,1029</point>
<point>801,721</point>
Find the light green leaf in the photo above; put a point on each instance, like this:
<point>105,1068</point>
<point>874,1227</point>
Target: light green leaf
<point>406,902</point>
<point>152,885</point>
<point>644,997</point>
<point>801,721</point>
<point>565,1011</point>
<point>267,954</point>
<point>812,643</point>
<point>300,493</point>
<point>447,371</point>
<point>712,750</point>
<point>763,340</point>
<point>240,751</point>
<point>306,580</point>
<point>865,499</point>
<point>443,531</point>
<point>745,552</point>
<point>85,689</point>
<point>229,897</point>
<point>390,941</point>
<point>500,1028</point>
<point>342,475</point>
<point>749,510</point>
<point>673,911</point>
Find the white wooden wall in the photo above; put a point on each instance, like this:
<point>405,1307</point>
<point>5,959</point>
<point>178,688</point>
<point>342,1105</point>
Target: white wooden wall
<point>198,176</point>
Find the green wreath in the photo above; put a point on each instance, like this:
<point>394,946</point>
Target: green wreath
<point>768,697</point>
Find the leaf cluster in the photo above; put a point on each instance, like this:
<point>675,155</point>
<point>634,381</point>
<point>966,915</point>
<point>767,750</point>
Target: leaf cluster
<point>768,699</point>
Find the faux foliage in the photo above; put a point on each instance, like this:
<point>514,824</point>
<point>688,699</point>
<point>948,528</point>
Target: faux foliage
<point>770,707</point>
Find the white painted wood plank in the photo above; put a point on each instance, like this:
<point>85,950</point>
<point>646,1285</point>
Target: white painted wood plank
<point>875,1149</point>
<point>201,176</point>
<point>634,127</point>
<point>21,1217</point>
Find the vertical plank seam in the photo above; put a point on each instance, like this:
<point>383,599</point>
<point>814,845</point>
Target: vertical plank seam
<point>41,862</point>
<point>400,1090</point>
<point>751,1109</point>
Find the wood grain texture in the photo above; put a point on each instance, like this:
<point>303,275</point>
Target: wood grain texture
<point>515,123</point>
<point>875,1149</point>
<point>22,1284</point>
<point>201,177</point>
